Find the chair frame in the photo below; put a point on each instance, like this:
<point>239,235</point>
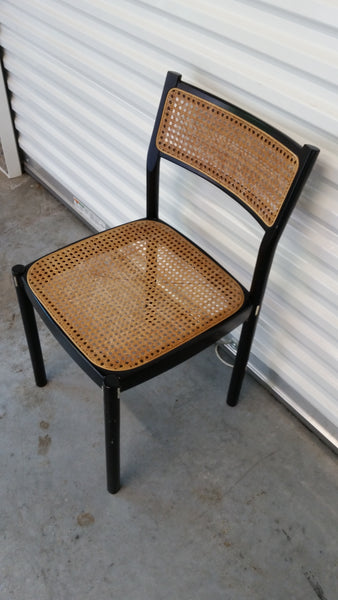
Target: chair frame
<point>112,383</point>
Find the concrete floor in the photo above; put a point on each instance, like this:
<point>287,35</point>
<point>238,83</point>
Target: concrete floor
<point>217,503</point>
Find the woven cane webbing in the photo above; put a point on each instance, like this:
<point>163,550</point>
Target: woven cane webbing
<point>131,294</point>
<point>231,151</point>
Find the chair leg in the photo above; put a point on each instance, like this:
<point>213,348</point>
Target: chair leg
<point>29,323</point>
<point>112,434</point>
<point>242,357</point>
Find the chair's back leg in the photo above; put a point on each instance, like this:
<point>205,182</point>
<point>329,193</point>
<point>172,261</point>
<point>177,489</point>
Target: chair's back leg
<point>29,323</point>
<point>241,360</point>
<point>112,434</point>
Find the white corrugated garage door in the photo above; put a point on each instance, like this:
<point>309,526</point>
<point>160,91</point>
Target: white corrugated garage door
<point>86,78</point>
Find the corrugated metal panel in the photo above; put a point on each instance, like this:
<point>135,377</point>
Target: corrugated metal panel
<point>86,79</point>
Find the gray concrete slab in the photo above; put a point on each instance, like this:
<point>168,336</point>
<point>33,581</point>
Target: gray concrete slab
<point>217,503</point>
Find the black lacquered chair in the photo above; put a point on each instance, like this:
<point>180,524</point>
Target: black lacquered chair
<point>133,301</point>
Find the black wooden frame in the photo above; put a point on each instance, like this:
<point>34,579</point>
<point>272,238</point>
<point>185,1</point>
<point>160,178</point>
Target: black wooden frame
<point>113,383</point>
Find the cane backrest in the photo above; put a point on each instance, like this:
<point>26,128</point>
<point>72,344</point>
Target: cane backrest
<point>231,151</point>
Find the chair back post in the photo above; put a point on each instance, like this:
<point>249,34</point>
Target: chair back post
<point>307,157</point>
<point>153,157</point>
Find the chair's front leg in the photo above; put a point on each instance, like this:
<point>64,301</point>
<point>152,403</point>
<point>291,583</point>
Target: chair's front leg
<point>29,323</point>
<point>111,400</point>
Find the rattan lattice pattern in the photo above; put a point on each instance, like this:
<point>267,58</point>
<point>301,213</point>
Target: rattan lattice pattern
<point>241,157</point>
<point>131,294</point>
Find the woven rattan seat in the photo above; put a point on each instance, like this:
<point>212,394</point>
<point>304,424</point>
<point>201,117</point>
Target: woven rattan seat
<point>134,301</point>
<point>133,293</point>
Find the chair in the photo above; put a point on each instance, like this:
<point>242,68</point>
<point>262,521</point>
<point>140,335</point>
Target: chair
<point>133,301</point>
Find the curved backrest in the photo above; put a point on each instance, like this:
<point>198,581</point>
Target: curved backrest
<point>252,161</point>
<point>228,149</point>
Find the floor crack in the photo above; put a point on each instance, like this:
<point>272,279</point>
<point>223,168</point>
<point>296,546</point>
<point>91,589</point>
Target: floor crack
<point>253,466</point>
<point>317,588</point>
